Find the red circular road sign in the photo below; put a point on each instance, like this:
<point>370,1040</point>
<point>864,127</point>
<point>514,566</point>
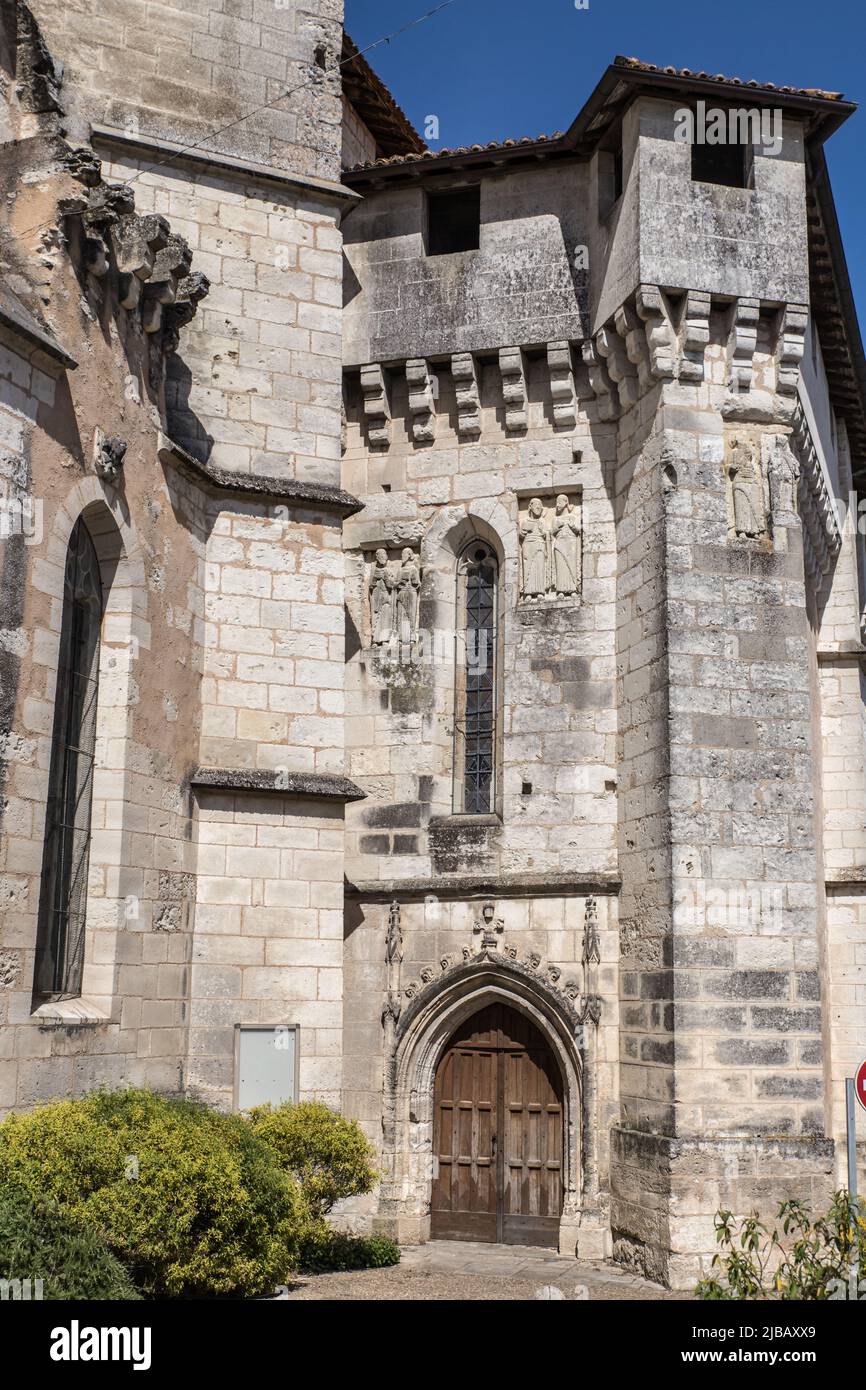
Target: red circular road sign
<point>860,1084</point>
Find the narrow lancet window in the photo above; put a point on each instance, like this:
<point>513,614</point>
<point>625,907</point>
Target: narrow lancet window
<point>63,896</point>
<point>476,732</point>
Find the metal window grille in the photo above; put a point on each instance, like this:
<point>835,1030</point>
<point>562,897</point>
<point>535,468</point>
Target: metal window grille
<point>477,719</point>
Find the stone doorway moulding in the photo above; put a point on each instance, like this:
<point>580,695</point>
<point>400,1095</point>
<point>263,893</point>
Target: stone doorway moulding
<point>420,1036</point>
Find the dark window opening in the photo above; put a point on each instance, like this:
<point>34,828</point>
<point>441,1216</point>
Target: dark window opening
<point>63,894</point>
<point>617,175</point>
<point>729,165</point>
<point>453,221</point>
<point>477,726</point>
<point>526,789</point>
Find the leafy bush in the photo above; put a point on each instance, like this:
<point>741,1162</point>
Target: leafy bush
<point>38,1242</point>
<point>324,1250</point>
<point>809,1260</point>
<point>189,1199</point>
<point>329,1155</point>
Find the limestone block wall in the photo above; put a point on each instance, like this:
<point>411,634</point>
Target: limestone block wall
<point>256,385</point>
<point>556,782</point>
<point>193,72</point>
<point>272,694</point>
<point>268,936</point>
<point>523,285</point>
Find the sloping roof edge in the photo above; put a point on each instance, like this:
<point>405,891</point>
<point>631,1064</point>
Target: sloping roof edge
<point>391,128</point>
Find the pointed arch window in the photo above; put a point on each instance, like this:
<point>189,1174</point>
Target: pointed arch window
<point>477,672</point>
<point>66,855</point>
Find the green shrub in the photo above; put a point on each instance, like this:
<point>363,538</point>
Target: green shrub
<point>38,1242</point>
<point>807,1260</point>
<point>189,1199</point>
<point>324,1250</point>
<point>329,1155</point>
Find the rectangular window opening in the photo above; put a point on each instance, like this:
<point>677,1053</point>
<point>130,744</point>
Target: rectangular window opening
<point>729,165</point>
<point>454,221</point>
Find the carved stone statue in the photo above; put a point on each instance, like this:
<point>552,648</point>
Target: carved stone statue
<point>747,490</point>
<point>408,587</point>
<point>382,585</point>
<point>534,552</point>
<point>489,926</point>
<point>109,453</point>
<point>565,533</point>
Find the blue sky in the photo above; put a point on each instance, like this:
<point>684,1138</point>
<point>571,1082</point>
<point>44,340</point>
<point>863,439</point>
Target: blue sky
<point>495,68</point>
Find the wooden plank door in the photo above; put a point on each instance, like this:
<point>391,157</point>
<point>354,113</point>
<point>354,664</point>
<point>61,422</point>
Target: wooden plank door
<point>497,1134</point>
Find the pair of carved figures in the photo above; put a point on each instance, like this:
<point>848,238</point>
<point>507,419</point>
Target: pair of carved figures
<point>550,551</point>
<point>395,597</point>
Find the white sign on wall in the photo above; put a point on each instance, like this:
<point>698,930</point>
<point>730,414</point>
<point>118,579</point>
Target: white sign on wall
<point>266,1065</point>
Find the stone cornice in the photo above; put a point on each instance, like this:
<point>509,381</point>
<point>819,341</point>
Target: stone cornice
<point>169,152</point>
<point>315,784</point>
<point>486,886</point>
<point>291,491</point>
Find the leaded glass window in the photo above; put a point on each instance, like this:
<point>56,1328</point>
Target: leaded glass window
<point>476,689</point>
<point>63,897</point>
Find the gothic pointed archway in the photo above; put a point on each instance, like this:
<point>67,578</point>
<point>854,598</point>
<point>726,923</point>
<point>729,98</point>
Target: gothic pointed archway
<point>422,1037</point>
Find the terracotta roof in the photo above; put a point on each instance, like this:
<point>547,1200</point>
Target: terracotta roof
<point>617,86</point>
<point>636,65</point>
<point>391,128</point>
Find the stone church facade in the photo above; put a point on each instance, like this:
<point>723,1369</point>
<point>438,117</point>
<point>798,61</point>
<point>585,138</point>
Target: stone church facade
<point>432,645</point>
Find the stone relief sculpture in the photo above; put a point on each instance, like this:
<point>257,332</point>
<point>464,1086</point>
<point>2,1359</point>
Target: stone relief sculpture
<point>550,549</point>
<point>381,598</point>
<point>394,590</point>
<point>408,590</point>
<point>746,488</point>
<point>565,534</point>
<point>394,936</point>
<point>488,926</point>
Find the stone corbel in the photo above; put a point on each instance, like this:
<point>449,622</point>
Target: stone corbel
<point>563,394</point>
<point>742,341</point>
<point>513,373</point>
<point>794,320</point>
<point>466,390</point>
<point>171,266</point>
<point>137,241</point>
<point>190,291</point>
<point>660,337</point>
<point>377,411</point>
<point>631,330</point>
<point>105,206</point>
<point>694,335</point>
<point>622,372</point>
<point>603,388</point>
<point>423,392</point>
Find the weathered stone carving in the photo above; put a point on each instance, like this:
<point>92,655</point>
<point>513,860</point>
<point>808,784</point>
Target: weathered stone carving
<point>513,387</point>
<point>694,335</point>
<point>631,330</point>
<point>488,926</point>
<point>394,936</point>
<point>660,337</point>
<point>747,508</point>
<point>423,391</point>
<point>793,322</point>
<point>171,266</point>
<point>742,343</point>
<point>467,394</point>
<point>622,372</point>
<point>137,240</point>
<point>562,390</point>
<point>377,411</point>
<point>591,945</point>
<point>381,591</point>
<point>108,455</point>
<point>394,595</point>
<point>550,549</point>
<point>600,384</point>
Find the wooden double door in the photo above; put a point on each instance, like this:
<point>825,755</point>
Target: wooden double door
<point>497,1134</point>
